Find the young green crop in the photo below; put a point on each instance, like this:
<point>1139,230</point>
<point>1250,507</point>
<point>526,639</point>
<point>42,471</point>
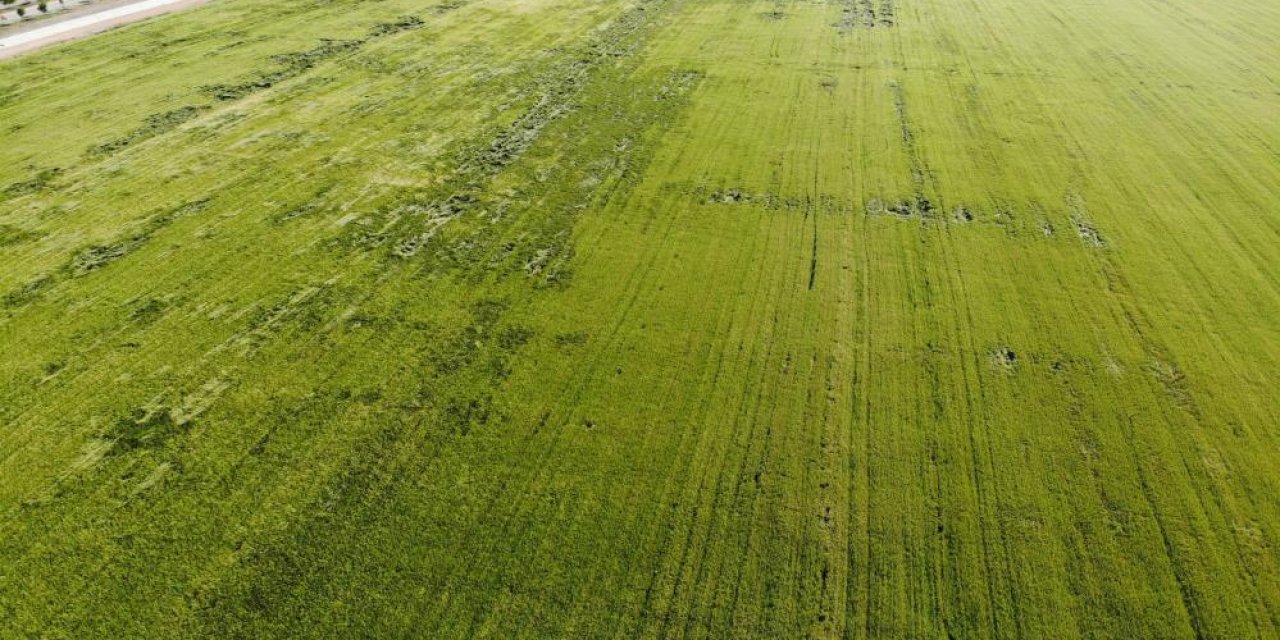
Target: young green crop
<point>647,318</point>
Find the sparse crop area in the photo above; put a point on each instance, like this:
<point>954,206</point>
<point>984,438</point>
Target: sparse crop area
<point>644,319</point>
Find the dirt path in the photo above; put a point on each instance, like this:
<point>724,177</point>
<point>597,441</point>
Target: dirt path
<point>77,24</point>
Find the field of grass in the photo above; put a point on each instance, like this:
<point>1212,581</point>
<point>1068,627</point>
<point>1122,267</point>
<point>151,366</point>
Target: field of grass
<point>644,318</point>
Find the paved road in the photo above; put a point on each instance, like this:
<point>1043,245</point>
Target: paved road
<point>83,25</point>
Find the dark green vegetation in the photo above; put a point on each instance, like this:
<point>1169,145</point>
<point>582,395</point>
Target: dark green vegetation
<point>657,319</point>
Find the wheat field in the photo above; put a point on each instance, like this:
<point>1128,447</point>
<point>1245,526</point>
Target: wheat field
<point>644,318</point>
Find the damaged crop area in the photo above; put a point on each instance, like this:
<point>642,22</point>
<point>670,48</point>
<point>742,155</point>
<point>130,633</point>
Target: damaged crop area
<point>662,319</point>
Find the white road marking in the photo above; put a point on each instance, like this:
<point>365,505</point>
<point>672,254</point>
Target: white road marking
<point>74,24</point>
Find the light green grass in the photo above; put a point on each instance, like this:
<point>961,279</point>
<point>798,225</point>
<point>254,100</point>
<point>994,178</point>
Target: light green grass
<point>657,319</point>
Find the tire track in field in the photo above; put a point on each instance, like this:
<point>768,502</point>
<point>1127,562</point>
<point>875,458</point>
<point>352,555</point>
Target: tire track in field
<point>544,456</point>
<point>704,438</point>
<point>935,414</point>
<point>860,617</point>
<point>1163,368</point>
<point>705,450</point>
<point>830,445</point>
<point>644,272</point>
<point>1096,245</point>
<point>979,122</point>
<point>710,447</point>
<point>924,183</point>
<point>571,398</point>
<point>747,421</point>
<point>710,376</point>
<point>758,452</point>
<point>759,502</point>
<point>1179,394</point>
<point>990,504</point>
<point>988,498</point>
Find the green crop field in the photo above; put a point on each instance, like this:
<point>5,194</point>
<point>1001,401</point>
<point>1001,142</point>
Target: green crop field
<point>644,318</point>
